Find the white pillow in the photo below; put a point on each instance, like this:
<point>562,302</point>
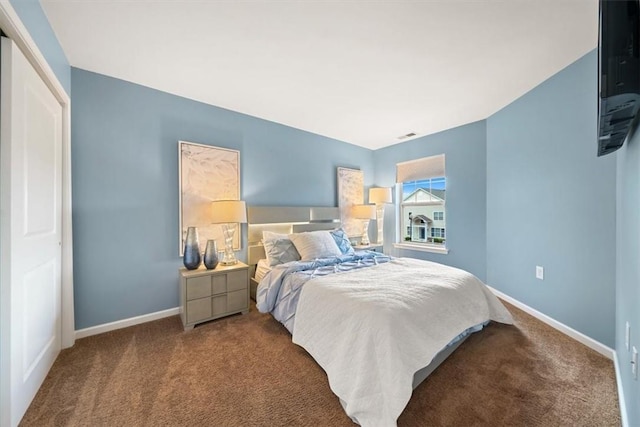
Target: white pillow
<point>278,248</point>
<point>315,244</point>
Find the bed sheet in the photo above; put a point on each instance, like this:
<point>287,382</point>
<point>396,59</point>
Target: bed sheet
<point>262,268</point>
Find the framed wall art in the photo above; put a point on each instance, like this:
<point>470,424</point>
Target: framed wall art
<point>350,192</point>
<point>206,173</point>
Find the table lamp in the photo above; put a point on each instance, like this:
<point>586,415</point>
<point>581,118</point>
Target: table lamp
<point>366,213</point>
<point>380,196</point>
<point>228,213</point>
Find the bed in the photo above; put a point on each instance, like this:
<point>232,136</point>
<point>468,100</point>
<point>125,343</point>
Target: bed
<point>377,325</point>
<point>284,220</point>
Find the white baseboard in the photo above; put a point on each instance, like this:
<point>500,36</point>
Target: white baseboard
<point>99,329</point>
<point>578,336</point>
<point>621,401</point>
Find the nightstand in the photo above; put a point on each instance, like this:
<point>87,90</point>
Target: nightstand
<point>210,294</point>
<point>372,247</point>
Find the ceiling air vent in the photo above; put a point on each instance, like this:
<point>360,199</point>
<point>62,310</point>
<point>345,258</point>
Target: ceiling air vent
<point>409,135</point>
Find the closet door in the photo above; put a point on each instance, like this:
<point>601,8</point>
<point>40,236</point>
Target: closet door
<point>30,231</point>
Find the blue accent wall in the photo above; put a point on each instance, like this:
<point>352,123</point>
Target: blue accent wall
<point>125,186</point>
<point>552,202</point>
<point>36,22</point>
<point>628,269</point>
<point>465,163</point>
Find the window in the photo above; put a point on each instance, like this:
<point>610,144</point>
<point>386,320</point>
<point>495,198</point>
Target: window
<point>437,232</point>
<point>422,191</point>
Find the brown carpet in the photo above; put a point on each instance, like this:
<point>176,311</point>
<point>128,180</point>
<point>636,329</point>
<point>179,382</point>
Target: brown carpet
<point>245,371</point>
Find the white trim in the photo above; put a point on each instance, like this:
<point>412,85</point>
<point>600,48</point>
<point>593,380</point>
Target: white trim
<point>623,406</point>
<point>578,336</point>
<point>421,248</point>
<point>124,323</point>
<point>419,169</point>
<point>14,29</point>
<point>68,313</point>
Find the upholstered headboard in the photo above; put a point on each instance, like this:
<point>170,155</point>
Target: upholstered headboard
<point>283,219</point>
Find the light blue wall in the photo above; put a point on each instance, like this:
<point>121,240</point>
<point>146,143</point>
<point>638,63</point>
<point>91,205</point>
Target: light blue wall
<point>525,189</point>
<point>628,269</point>
<point>465,162</point>
<point>552,202</point>
<point>125,186</point>
<point>36,22</point>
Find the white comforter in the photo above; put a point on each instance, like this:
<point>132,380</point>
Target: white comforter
<point>372,329</point>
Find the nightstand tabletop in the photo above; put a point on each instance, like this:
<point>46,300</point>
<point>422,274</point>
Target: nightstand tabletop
<point>372,247</point>
<point>202,270</point>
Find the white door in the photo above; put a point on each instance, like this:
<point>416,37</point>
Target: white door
<point>30,231</point>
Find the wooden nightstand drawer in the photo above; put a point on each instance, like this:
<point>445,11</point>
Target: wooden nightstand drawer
<point>237,300</point>
<point>209,294</point>
<point>198,310</point>
<point>219,285</point>
<point>237,280</point>
<point>198,287</point>
<point>219,304</point>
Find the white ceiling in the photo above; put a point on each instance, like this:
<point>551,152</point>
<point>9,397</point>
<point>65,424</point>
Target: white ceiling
<point>363,72</point>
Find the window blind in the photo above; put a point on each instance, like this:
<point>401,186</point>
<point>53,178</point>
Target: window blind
<point>424,168</point>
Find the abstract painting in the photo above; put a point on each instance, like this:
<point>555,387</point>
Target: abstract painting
<point>206,173</point>
<point>350,192</point>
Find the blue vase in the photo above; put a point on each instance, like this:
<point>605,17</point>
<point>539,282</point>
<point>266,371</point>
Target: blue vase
<point>191,258</point>
<point>211,255</point>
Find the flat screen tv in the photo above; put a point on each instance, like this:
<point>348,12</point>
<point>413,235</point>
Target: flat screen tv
<point>619,72</point>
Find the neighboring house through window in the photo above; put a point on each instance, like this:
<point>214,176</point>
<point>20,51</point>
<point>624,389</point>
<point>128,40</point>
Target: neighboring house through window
<point>421,185</point>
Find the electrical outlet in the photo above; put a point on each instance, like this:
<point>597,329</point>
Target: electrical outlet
<point>539,272</point>
<point>634,363</point>
<point>627,336</point>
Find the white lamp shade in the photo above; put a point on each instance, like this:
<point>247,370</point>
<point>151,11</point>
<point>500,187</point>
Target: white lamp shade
<point>364,211</point>
<point>228,211</point>
<point>380,195</point>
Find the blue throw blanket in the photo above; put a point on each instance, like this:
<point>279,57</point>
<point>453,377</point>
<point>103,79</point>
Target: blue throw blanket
<point>279,290</point>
